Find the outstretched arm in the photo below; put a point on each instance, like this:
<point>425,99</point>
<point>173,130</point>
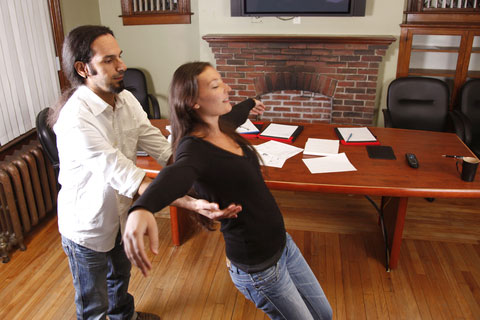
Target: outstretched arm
<point>240,112</point>
<point>169,187</point>
<point>141,222</point>
<point>201,206</point>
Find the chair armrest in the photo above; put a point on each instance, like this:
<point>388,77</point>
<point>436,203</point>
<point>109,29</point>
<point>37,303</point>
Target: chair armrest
<point>387,118</point>
<point>155,107</point>
<point>456,122</point>
<point>465,124</point>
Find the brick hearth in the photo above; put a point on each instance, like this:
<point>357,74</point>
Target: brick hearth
<point>304,79</point>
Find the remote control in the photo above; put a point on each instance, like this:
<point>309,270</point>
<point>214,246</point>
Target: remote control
<point>412,160</point>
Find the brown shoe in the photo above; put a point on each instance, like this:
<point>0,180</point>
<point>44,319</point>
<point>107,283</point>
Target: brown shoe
<point>147,316</point>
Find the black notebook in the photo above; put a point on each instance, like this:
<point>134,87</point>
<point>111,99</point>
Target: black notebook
<point>381,152</point>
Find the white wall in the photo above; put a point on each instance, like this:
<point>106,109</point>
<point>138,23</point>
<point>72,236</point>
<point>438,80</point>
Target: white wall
<point>160,49</point>
<point>156,49</point>
<point>383,17</point>
<point>76,13</point>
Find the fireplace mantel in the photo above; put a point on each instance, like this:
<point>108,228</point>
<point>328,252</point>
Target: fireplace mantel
<point>339,74</point>
<point>381,40</point>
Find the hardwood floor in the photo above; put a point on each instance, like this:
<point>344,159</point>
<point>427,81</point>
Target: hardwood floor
<point>438,275</point>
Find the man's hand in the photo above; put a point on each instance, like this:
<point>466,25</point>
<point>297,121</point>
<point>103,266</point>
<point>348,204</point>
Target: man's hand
<point>258,109</point>
<point>211,210</point>
<point>139,223</point>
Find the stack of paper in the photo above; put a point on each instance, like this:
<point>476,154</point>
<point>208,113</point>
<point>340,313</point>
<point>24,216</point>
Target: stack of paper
<point>281,132</point>
<point>356,135</point>
<point>274,153</point>
<point>321,147</point>
<point>332,163</point>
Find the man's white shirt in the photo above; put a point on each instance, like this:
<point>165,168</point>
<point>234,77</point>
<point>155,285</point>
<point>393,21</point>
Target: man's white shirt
<point>97,150</point>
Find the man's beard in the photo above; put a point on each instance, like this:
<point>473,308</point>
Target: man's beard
<point>117,88</point>
<point>113,88</point>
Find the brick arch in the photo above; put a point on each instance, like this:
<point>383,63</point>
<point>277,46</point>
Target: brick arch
<point>344,68</point>
<point>305,81</point>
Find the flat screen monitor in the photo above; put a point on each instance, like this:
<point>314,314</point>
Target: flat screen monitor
<point>297,8</point>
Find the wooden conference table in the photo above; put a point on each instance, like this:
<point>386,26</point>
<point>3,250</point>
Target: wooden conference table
<point>393,180</point>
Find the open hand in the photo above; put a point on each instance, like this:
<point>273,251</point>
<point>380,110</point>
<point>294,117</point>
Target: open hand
<point>212,211</point>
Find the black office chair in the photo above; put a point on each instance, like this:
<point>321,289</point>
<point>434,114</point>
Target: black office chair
<point>420,103</point>
<point>47,138</point>
<point>469,113</point>
<point>136,83</point>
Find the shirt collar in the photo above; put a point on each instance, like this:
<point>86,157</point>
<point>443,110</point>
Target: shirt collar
<point>97,104</point>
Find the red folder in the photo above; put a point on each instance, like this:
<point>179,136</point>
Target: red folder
<point>291,139</point>
<point>257,124</point>
<point>360,143</point>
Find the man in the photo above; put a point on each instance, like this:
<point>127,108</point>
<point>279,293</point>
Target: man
<point>99,127</point>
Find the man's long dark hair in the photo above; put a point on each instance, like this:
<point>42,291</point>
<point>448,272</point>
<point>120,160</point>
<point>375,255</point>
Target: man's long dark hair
<point>76,47</point>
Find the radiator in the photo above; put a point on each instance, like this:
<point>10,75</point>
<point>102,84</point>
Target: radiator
<point>28,193</point>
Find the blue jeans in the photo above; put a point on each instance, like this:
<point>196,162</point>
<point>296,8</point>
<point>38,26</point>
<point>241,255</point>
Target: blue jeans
<point>101,281</point>
<point>287,290</point>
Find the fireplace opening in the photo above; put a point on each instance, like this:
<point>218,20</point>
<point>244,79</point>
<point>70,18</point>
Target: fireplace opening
<point>296,96</point>
<point>297,106</point>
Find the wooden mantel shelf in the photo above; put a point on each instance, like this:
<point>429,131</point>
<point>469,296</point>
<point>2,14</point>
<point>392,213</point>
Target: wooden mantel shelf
<point>380,40</point>
<point>448,16</point>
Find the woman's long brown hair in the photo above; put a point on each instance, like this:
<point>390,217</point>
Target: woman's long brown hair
<point>183,118</point>
<point>183,95</point>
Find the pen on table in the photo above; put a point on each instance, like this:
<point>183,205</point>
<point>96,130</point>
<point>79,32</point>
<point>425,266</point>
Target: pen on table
<point>450,156</point>
<point>349,137</point>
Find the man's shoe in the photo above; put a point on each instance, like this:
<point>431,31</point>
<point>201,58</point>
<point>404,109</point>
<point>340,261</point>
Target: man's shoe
<point>147,316</point>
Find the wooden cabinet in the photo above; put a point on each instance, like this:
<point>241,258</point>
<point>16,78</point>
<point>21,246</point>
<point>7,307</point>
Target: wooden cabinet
<point>450,51</point>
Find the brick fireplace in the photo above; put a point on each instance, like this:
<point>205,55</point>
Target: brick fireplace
<point>329,79</point>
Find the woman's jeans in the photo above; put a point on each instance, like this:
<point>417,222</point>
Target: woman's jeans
<point>287,290</point>
<point>101,281</point>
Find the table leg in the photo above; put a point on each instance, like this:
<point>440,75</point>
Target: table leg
<point>181,225</point>
<point>174,225</point>
<point>395,211</point>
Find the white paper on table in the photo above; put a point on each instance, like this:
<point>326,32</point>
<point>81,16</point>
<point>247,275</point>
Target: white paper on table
<point>357,134</point>
<point>274,153</point>
<point>271,160</point>
<point>283,131</point>
<point>321,147</point>
<point>333,163</point>
<point>247,127</point>
<point>169,129</point>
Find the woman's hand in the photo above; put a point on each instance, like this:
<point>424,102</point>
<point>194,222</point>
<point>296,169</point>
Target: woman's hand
<point>207,209</point>
<point>140,222</point>
<point>211,210</point>
<point>258,109</point>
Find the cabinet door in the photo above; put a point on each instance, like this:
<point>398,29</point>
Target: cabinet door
<point>441,53</point>
<point>435,56</point>
<point>473,71</point>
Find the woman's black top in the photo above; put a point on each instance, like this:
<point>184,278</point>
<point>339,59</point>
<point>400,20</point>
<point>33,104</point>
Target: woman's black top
<point>255,239</point>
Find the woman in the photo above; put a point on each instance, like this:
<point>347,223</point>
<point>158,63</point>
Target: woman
<point>263,261</point>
